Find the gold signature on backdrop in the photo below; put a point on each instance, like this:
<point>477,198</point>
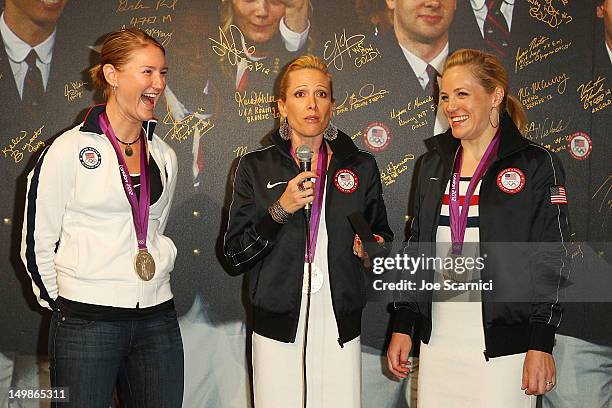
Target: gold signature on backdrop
<point>334,50</point>
<point>538,92</point>
<point>191,124</point>
<point>540,49</point>
<point>392,170</point>
<point>366,95</point>
<point>595,95</point>
<point>126,5</point>
<point>537,131</point>
<point>74,90</point>
<point>420,110</point>
<point>352,46</point>
<point>546,12</point>
<point>256,106</point>
<point>226,46</point>
<point>16,150</point>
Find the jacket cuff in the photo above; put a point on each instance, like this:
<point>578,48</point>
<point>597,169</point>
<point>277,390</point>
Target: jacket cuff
<point>267,228</point>
<point>404,321</point>
<point>542,337</point>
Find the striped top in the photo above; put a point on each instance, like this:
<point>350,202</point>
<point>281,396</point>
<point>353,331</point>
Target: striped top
<point>472,235</point>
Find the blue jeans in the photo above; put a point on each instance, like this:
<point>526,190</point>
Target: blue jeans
<point>90,357</point>
<point>584,375</point>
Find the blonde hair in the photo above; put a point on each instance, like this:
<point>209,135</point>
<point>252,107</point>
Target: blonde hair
<point>117,49</point>
<point>490,73</point>
<point>304,62</point>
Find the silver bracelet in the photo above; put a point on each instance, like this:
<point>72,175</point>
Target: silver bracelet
<point>278,213</point>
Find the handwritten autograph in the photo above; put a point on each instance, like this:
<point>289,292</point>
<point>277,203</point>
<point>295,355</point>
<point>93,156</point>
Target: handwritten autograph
<point>538,131</point>
<point>74,90</point>
<point>334,51</point>
<point>32,145</point>
<point>392,171</point>
<point>547,13</point>
<point>180,130</point>
<point>540,49</point>
<point>366,95</point>
<point>594,95</point>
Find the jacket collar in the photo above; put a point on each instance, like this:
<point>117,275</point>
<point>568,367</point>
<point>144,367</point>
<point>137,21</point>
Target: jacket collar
<point>342,146</point>
<point>90,124</point>
<point>511,141</point>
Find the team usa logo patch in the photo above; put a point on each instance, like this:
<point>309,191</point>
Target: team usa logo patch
<point>346,181</point>
<point>90,158</point>
<point>377,136</point>
<point>558,195</point>
<point>511,180</point>
<point>580,146</point>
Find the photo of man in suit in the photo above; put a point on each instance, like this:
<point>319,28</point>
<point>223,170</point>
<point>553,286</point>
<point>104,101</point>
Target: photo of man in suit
<point>412,56</point>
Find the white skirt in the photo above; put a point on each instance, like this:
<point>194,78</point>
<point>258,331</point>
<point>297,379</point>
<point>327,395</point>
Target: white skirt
<point>333,372</point>
<point>453,371</point>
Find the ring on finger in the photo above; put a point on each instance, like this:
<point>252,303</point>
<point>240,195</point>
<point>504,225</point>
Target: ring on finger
<point>549,383</point>
<point>301,186</point>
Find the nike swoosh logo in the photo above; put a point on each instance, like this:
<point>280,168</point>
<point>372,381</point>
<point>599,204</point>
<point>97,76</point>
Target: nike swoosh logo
<point>270,185</point>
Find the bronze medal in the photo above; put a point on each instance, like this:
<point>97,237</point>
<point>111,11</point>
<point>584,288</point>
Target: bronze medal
<point>128,151</point>
<point>448,272</point>
<point>145,265</point>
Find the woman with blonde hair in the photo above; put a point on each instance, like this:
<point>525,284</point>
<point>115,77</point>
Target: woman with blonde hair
<point>487,193</point>
<point>306,285</point>
<point>103,190</point>
<point>262,29</point>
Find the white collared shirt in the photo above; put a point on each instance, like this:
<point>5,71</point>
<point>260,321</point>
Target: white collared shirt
<point>419,67</point>
<point>479,7</point>
<point>17,50</point>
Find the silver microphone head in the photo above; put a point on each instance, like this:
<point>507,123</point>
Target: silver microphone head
<point>304,153</point>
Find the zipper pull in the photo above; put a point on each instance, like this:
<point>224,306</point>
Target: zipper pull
<point>340,343</point>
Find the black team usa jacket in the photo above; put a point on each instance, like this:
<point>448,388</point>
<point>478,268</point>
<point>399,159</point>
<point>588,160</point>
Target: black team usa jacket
<point>273,254</point>
<point>529,261</point>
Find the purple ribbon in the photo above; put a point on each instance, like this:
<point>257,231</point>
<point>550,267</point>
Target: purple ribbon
<point>315,215</point>
<point>140,207</point>
<point>458,221</point>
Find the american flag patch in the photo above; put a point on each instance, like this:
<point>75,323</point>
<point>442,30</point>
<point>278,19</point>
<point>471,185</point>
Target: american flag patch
<point>558,195</point>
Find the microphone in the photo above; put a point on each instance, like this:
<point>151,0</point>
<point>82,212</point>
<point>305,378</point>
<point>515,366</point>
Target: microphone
<point>304,154</point>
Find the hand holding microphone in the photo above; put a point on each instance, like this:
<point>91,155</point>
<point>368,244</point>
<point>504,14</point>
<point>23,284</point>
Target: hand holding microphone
<point>300,189</point>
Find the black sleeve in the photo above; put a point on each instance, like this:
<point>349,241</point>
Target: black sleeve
<point>550,261</point>
<point>406,310</point>
<point>248,238</point>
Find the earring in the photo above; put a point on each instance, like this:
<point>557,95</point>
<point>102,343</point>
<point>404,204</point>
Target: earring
<point>284,130</point>
<point>114,88</point>
<point>330,132</point>
<point>490,121</point>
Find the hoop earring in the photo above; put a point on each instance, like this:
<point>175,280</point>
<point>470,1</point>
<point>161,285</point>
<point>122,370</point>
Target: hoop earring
<point>330,132</point>
<point>284,129</point>
<point>490,121</point>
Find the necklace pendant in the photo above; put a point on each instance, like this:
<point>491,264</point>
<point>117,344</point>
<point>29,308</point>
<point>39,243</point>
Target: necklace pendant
<point>128,151</point>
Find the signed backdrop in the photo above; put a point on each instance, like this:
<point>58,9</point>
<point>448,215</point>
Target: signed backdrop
<point>220,103</point>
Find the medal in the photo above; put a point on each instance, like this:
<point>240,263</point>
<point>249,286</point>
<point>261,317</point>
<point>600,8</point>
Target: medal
<point>128,151</point>
<point>458,219</point>
<point>144,264</point>
<point>316,279</point>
